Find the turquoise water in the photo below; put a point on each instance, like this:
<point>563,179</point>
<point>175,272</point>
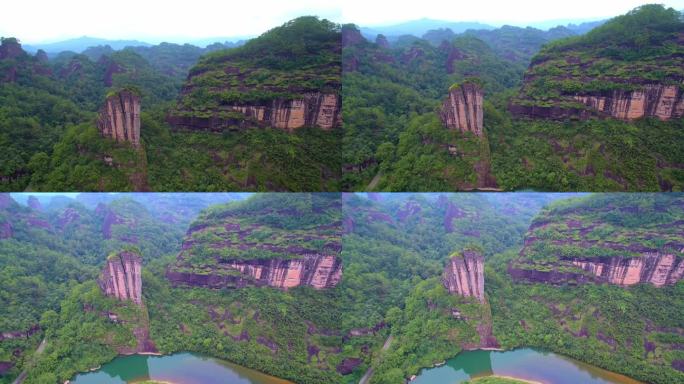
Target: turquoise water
<point>181,368</point>
<point>526,363</point>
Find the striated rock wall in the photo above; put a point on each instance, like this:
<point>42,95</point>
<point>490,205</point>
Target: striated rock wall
<point>464,275</point>
<point>121,277</point>
<point>652,268</point>
<point>313,110</point>
<point>462,110</point>
<point>662,101</point>
<point>314,270</point>
<point>119,118</point>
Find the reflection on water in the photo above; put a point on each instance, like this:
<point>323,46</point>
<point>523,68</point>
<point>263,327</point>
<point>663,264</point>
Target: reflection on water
<point>527,363</point>
<point>185,368</point>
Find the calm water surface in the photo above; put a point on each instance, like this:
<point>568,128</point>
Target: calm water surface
<point>181,368</point>
<point>526,363</point>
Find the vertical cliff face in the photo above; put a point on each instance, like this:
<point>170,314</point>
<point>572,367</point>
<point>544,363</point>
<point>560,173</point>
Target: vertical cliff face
<point>464,275</point>
<point>119,118</point>
<point>654,100</point>
<point>121,277</point>
<point>594,240</point>
<point>314,270</point>
<point>462,110</point>
<point>653,268</point>
<point>313,110</point>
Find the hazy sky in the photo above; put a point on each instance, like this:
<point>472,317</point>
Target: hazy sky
<point>495,12</point>
<point>34,21</point>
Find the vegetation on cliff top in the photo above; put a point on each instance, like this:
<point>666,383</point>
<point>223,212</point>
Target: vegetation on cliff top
<point>302,55</point>
<point>607,225</point>
<point>642,46</point>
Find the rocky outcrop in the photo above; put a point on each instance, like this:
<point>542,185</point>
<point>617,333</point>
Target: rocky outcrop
<point>653,100</point>
<point>382,41</point>
<point>34,203</point>
<point>9,335</point>
<point>348,365</point>
<point>651,268</point>
<point>464,275</point>
<point>121,277</point>
<point>314,270</point>
<point>10,48</point>
<point>315,109</point>
<point>351,35</point>
<point>5,230</point>
<point>119,118</point>
<point>462,110</point>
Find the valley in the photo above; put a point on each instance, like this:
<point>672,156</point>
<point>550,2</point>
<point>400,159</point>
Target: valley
<point>597,108</point>
<point>314,288</point>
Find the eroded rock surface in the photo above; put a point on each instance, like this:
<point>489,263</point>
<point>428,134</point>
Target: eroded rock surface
<point>119,118</point>
<point>464,275</point>
<point>121,277</point>
<point>462,110</point>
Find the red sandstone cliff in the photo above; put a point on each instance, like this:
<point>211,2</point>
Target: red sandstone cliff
<point>462,110</point>
<point>314,270</point>
<point>652,268</point>
<point>315,109</point>
<point>664,102</point>
<point>121,277</point>
<point>464,275</point>
<point>119,118</point>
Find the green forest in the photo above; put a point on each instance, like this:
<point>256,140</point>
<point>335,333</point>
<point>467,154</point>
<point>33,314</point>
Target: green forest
<point>50,105</point>
<point>390,311</point>
<point>395,141</point>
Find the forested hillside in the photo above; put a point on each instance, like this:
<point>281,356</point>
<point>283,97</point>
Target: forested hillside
<point>596,112</point>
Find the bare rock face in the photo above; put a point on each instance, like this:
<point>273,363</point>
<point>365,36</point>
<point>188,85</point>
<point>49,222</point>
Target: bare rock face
<point>462,110</point>
<point>652,268</point>
<point>119,118</point>
<point>464,275</point>
<point>664,102</point>
<point>655,100</point>
<point>121,277</point>
<point>315,109</point>
<point>314,270</point>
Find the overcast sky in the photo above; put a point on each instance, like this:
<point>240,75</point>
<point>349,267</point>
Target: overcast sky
<point>34,21</point>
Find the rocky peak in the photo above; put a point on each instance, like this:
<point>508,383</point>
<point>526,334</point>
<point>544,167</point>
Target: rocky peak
<point>121,277</point>
<point>119,118</point>
<point>111,68</point>
<point>382,41</point>
<point>462,110</point>
<point>34,203</point>
<point>464,274</point>
<point>10,48</point>
<point>41,56</point>
<point>6,200</point>
<point>351,35</point>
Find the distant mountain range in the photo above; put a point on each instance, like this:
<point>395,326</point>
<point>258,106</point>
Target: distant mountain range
<point>420,27</point>
<point>80,44</point>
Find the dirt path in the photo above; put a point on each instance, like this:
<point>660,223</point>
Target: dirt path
<point>374,183</point>
<point>369,373</point>
<point>22,376</point>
